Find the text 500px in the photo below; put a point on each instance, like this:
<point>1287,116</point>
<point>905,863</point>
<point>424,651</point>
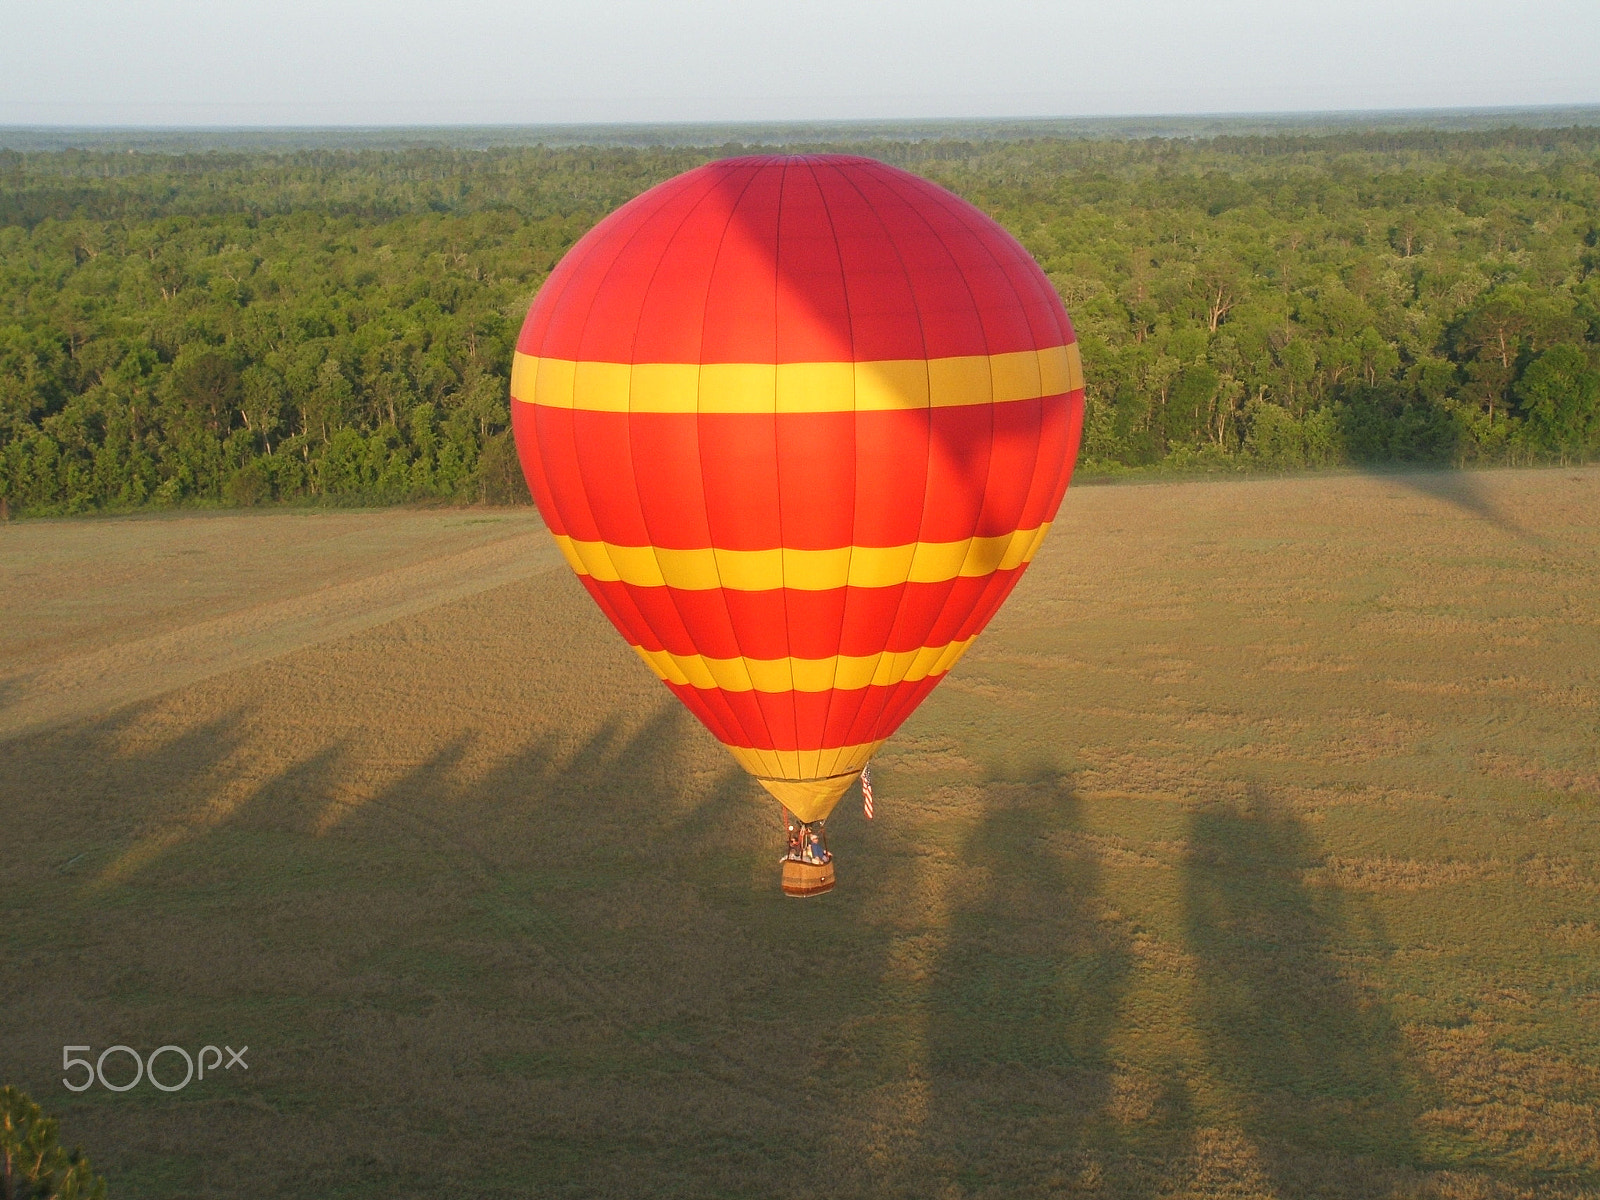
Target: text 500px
<point>194,1067</point>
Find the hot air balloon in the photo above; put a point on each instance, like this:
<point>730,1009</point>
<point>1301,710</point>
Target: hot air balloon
<point>798,423</point>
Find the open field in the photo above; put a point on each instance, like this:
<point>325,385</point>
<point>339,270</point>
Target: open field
<point>1255,851</point>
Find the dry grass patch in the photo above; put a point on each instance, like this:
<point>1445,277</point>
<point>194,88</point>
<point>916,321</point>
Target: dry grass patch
<point>1397,875</point>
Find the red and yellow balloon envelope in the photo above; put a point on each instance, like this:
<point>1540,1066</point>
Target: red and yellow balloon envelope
<point>799,424</point>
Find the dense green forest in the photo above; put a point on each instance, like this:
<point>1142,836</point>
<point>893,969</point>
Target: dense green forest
<point>337,326</point>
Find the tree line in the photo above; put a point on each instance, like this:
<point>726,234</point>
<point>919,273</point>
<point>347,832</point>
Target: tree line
<point>337,326</point>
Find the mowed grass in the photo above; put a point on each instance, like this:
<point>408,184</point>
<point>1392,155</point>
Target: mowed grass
<point>1254,851</point>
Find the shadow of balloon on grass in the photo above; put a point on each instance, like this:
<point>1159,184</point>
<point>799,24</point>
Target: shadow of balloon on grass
<point>1467,492</point>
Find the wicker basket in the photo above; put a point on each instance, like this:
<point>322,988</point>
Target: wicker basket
<point>807,879</point>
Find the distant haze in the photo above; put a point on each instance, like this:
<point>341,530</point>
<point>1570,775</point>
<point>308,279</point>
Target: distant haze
<point>379,62</point>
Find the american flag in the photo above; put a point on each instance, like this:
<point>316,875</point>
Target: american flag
<point>866,790</point>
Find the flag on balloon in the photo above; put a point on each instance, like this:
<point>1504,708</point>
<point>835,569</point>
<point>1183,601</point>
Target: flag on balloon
<point>866,790</point>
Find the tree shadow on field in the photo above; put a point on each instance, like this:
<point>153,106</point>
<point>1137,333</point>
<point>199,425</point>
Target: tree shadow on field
<point>1022,1001</point>
<point>554,804</point>
<point>1311,1060</point>
<point>494,952</point>
<point>11,687</point>
<point>90,816</point>
<point>612,1020</point>
<point>556,966</point>
<point>110,789</point>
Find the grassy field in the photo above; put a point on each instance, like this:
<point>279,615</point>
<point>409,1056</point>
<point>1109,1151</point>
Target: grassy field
<point>1255,851</point>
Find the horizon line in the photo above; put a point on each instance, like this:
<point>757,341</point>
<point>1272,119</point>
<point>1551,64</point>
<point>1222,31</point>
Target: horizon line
<point>790,122</point>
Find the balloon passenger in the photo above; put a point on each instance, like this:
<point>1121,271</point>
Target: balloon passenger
<point>815,852</point>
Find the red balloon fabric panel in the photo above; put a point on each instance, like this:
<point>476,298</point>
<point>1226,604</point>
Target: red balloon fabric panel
<point>799,424</point>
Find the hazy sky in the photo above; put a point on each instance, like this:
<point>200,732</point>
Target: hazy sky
<point>309,62</point>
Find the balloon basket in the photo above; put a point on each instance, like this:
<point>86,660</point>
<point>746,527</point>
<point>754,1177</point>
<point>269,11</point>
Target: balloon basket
<point>807,879</point>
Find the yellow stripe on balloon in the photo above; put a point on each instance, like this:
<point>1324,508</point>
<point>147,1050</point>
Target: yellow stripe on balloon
<point>843,671</point>
<point>805,764</point>
<point>706,568</point>
<point>814,387</point>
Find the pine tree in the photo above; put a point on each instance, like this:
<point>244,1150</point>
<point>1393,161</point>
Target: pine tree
<point>33,1163</point>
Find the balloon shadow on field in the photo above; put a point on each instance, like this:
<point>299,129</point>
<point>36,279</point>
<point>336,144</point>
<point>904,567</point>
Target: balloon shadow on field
<point>1463,490</point>
<point>1312,1061</point>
